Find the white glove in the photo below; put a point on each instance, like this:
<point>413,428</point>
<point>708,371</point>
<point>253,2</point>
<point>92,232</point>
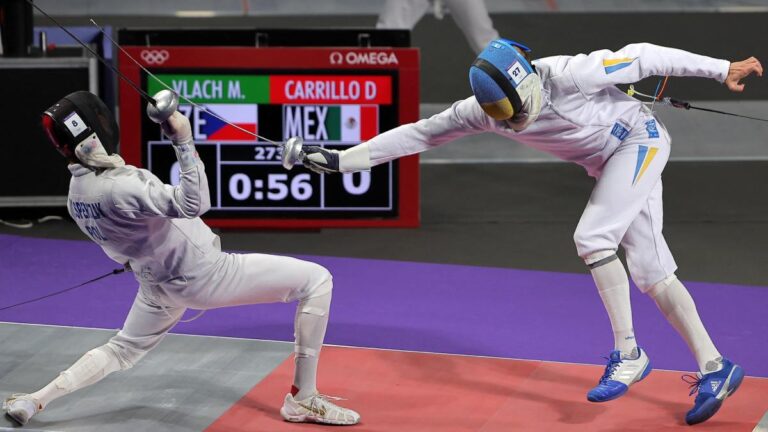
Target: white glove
<point>178,129</point>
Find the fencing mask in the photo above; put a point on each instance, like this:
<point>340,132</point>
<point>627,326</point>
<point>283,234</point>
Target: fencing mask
<point>505,83</point>
<point>81,127</point>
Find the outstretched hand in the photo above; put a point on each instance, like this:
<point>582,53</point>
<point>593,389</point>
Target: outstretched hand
<point>741,70</point>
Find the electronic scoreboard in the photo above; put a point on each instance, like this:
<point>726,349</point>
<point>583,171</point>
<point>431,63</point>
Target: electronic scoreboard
<point>331,97</point>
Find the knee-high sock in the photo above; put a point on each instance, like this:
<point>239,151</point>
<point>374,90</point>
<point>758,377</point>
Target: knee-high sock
<point>613,287</point>
<point>311,322</point>
<point>677,305</point>
<point>89,369</point>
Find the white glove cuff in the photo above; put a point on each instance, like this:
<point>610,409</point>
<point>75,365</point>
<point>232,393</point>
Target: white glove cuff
<point>186,154</point>
<point>357,158</point>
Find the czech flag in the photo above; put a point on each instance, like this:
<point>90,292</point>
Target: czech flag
<point>244,116</point>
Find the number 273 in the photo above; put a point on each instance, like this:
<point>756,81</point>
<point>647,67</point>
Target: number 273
<point>264,153</point>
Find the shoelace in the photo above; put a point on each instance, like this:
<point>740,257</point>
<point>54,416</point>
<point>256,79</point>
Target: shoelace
<point>612,365</point>
<point>325,399</point>
<point>693,382</point>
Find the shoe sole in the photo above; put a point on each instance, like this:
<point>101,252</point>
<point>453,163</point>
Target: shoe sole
<point>648,369</point>
<point>304,418</point>
<point>711,406</point>
<point>16,419</point>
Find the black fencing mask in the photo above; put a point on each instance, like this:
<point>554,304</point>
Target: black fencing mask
<point>81,127</point>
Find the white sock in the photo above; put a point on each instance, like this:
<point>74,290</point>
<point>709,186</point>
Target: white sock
<point>89,369</point>
<point>677,305</point>
<point>311,322</point>
<point>613,287</point>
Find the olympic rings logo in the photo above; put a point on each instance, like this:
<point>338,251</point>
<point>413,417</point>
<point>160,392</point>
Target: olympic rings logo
<point>153,57</point>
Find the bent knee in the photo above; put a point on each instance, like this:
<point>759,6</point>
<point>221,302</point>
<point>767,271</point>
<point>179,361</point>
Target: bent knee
<point>320,282</point>
<point>323,274</point>
<point>589,242</point>
<point>323,286</point>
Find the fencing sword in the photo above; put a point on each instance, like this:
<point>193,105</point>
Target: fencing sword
<point>165,102</point>
<point>101,59</point>
<point>159,108</point>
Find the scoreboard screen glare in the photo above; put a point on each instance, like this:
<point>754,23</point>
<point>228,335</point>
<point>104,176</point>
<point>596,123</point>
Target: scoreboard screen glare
<point>335,109</point>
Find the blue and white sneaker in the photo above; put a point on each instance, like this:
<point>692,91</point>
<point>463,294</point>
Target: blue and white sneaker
<point>621,372</point>
<point>713,388</point>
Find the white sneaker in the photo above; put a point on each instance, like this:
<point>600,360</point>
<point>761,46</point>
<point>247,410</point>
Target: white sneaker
<point>21,407</point>
<point>317,409</point>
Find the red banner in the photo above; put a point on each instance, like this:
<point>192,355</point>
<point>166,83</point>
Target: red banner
<point>330,89</point>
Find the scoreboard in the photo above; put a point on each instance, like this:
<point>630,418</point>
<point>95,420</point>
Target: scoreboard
<point>331,97</point>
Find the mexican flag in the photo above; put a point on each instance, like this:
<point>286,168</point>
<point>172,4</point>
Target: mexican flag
<point>352,123</point>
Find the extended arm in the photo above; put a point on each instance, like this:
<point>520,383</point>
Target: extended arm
<point>634,62</point>
<point>146,195</point>
<point>462,118</point>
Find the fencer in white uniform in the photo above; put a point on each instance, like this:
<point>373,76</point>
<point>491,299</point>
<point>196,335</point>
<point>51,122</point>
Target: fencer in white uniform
<point>568,106</point>
<point>156,230</point>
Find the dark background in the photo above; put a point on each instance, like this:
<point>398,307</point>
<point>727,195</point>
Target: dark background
<point>446,56</point>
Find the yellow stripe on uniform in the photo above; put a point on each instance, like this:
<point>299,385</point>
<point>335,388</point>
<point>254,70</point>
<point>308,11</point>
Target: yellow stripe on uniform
<point>614,62</point>
<point>647,162</point>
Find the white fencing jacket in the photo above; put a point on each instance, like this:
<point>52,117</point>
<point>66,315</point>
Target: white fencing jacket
<point>581,106</point>
<point>140,221</point>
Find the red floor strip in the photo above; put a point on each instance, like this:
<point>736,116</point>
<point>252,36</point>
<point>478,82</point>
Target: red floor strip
<point>409,392</point>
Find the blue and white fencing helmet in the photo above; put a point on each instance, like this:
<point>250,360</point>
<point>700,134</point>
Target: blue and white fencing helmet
<point>505,84</point>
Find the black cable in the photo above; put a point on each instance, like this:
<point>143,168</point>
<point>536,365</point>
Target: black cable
<point>103,61</point>
<point>113,272</point>
<point>687,105</point>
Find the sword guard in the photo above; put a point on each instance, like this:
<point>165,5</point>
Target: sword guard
<point>292,152</point>
<point>166,103</point>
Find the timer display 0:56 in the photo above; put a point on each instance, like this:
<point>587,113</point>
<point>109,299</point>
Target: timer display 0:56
<point>271,186</point>
<point>268,186</point>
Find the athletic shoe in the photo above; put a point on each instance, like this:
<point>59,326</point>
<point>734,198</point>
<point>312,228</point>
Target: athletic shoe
<point>21,407</point>
<point>621,372</point>
<point>317,409</point>
<point>713,388</point>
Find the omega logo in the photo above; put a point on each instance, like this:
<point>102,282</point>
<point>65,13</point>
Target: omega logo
<point>363,58</point>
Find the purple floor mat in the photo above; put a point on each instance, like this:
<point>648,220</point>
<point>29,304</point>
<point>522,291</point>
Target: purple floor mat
<point>404,305</point>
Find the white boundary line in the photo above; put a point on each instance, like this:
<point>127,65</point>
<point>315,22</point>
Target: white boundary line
<point>20,428</point>
<point>357,347</point>
<point>762,425</point>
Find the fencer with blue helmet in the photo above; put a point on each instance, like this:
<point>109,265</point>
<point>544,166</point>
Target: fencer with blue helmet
<point>505,83</point>
<point>570,107</point>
